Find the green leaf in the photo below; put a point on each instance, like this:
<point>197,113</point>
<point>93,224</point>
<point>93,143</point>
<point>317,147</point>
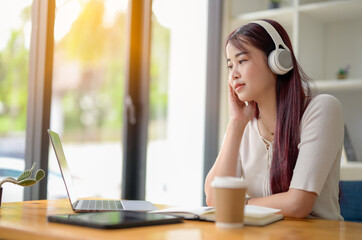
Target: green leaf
<point>39,175</point>
<point>32,167</point>
<point>27,182</point>
<point>26,174</point>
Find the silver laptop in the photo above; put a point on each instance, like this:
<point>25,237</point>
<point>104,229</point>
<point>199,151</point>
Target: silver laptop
<point>84,205</point>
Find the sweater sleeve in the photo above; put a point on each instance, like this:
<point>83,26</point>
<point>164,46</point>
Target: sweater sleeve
<point>322,132</point>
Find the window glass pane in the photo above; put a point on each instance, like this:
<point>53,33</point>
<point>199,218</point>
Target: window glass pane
<point>87,97</point>
<point>15,31</point>
<point>177,102</point>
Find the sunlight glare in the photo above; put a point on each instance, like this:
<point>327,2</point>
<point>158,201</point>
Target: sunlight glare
<point>10,18</point>
<point>164,12</point>
<point>113,7</point>
<point>66,13</point>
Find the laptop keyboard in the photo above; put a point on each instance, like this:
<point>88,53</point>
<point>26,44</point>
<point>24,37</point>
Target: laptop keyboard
<point>100,205</point>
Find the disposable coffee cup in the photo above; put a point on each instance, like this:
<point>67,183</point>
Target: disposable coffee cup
<point>229,201</point>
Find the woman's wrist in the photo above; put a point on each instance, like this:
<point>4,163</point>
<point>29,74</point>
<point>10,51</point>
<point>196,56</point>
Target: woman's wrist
<point>237,124</point>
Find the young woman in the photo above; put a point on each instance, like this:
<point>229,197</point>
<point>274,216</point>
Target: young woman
<point>284,142</point>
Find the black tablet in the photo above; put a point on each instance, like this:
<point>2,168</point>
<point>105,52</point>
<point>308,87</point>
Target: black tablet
<point>112,220</point>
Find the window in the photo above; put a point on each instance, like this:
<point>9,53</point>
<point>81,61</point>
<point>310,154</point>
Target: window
<point>15,31</point>
<point>177,102</point>
<point>87,95</point>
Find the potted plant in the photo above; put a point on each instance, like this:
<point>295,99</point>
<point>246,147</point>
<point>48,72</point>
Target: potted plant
<point>24,179</point>
<point>274,3</point>
<point>343,73</point>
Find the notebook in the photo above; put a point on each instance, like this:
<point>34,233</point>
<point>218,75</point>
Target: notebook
<point>85,205</point>
<point>253,215</point>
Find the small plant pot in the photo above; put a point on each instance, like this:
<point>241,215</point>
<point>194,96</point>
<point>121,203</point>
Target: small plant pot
<point>341,76</point>
<point>273,5</point>
<point>1,194</point>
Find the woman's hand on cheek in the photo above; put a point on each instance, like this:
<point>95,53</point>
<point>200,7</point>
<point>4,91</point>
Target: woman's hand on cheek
<point>238,109</point>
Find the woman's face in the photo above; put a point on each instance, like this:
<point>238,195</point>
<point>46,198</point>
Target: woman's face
<point>249,73</point>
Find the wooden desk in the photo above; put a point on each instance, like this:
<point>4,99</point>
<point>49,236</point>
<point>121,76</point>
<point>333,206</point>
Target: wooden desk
<point>27,220</point>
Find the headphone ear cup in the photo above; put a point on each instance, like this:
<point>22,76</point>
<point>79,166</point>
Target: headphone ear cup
<point>271,62</point>
<point>280,61</point>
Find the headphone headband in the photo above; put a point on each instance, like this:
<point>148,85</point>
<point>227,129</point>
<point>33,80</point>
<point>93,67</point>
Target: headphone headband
<point>279,60</point>
<point>273,33</point>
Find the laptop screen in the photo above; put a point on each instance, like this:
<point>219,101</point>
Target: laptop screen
<point>64,169</point>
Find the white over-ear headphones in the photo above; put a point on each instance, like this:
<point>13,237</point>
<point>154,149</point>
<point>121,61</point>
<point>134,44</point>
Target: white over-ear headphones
<point>280,60</point>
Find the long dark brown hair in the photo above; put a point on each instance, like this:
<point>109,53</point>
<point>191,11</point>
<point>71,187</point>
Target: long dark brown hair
<point>293,95</point>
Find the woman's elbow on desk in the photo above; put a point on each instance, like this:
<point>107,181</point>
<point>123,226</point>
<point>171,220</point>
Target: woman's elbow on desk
<point>297,212</point>
<point>301,204</point>
<point>294,203</point>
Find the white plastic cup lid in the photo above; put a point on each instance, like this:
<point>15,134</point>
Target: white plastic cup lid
<point>228,182</point>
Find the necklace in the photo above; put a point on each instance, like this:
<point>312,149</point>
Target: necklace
<point>270,132</point>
